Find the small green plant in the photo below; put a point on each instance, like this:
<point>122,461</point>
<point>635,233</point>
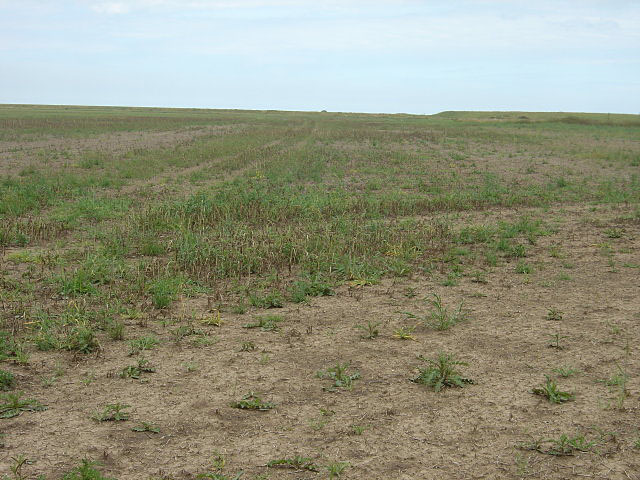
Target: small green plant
<point>115,329</point>
<point>370,330</point>
<point>143,343</point>
<point>296,463</point>
<point>565,371</point>
<point>271,299</point>
<point>441,372</point>
<point>163,292</point>
<point>7,380</point>
<point>341,378</point>
<point>405,333</point>
<point>358,429</point>
<point>523,267</point>
<point>553,314</point>
<point>551,392</point>
<point>190,366</point>
<point>145,427</point>
<point>136,371</point>
<point>441,318</point>
<point>113,412</point>
<point>562,446</point>
<point>556,340</point>
<point>86,471</point>
<point>213,320</point>
<point>12,405</point>
<point>614,232</point>
<point>335,469</point>
<point>252,401</point>
<point>247,347</point>
<point>267,323</point>
<point>16,468</point>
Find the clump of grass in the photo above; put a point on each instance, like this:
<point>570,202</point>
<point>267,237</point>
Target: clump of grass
<point>335,469</point>
<point>441,372</point>
<point>441,318</point>
<point>252,401</point>
<point>213,320</point>
<point>296,463</point>
<point>86,471</point>
<point>310,287</point>
<point>405,333</point>
<point>81,339</point>
<point>370,330</point>
<point>113,412</point>
<point>565,371</point>
<point>143,343</point>
<point>524,267</point>
<point>564,445</point>
<point>7,380</point>
<point>163,292</point>
<point>266,323</point>
<point>553,314</point>
<point>340,376</point>
<point>145,427</point>
<point>12,405</point>
<point>136,371</point>
<point>115,329</point>
<point>272,299</point>
<point>552,392</point>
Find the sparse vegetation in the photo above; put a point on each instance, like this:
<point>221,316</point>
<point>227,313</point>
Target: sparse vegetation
<point>340,376</point>
<point>441,372</point>
<point>151,231</point>
<point>550,390</point>
<point>252,401</point>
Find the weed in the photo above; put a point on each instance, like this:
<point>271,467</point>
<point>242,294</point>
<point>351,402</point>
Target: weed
<point>614,232</point>
<point>523,267</point>
<point>7,380</point>
<point>551,392</point>
<point>113,412</point>
<point>267,323</point>
<point>12,405</point>
<point>136,371</point>
<point>247,347</point>
<point>441,373</point>
<point>340,377</point>
<point>143,343</point>
<point>145,427</point>
<point>271,299</point>
<point>441,318</point>
<point>556,341</point>
<point>370,330</point>
<point>115,329</point>
<point>311,287</point>
<point>251,401</point>
<point>358,429</point>
<point>553,314</point>
<point>335,469</point>
<point>190,366</point>
<point>213,320</point>
<point>562,446</point>
<point>86,471</point>
<point>405,333</point>
<point>296,463</point>
<point>565,372</point>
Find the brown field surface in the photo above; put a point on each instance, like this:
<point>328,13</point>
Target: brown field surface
<point>161,268</point>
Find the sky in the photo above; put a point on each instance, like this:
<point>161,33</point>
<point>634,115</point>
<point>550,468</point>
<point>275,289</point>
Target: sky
<point>413,56</point>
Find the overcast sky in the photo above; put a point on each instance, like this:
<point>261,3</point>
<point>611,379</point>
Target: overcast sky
<point>349,55</point>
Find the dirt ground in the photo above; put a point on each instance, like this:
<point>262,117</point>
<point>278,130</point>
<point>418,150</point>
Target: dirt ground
<point>409,431</point>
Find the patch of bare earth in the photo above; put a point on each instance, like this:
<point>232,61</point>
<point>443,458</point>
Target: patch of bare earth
<point>409,431</point>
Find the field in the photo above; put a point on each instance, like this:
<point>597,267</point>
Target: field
<point>209,294</point>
